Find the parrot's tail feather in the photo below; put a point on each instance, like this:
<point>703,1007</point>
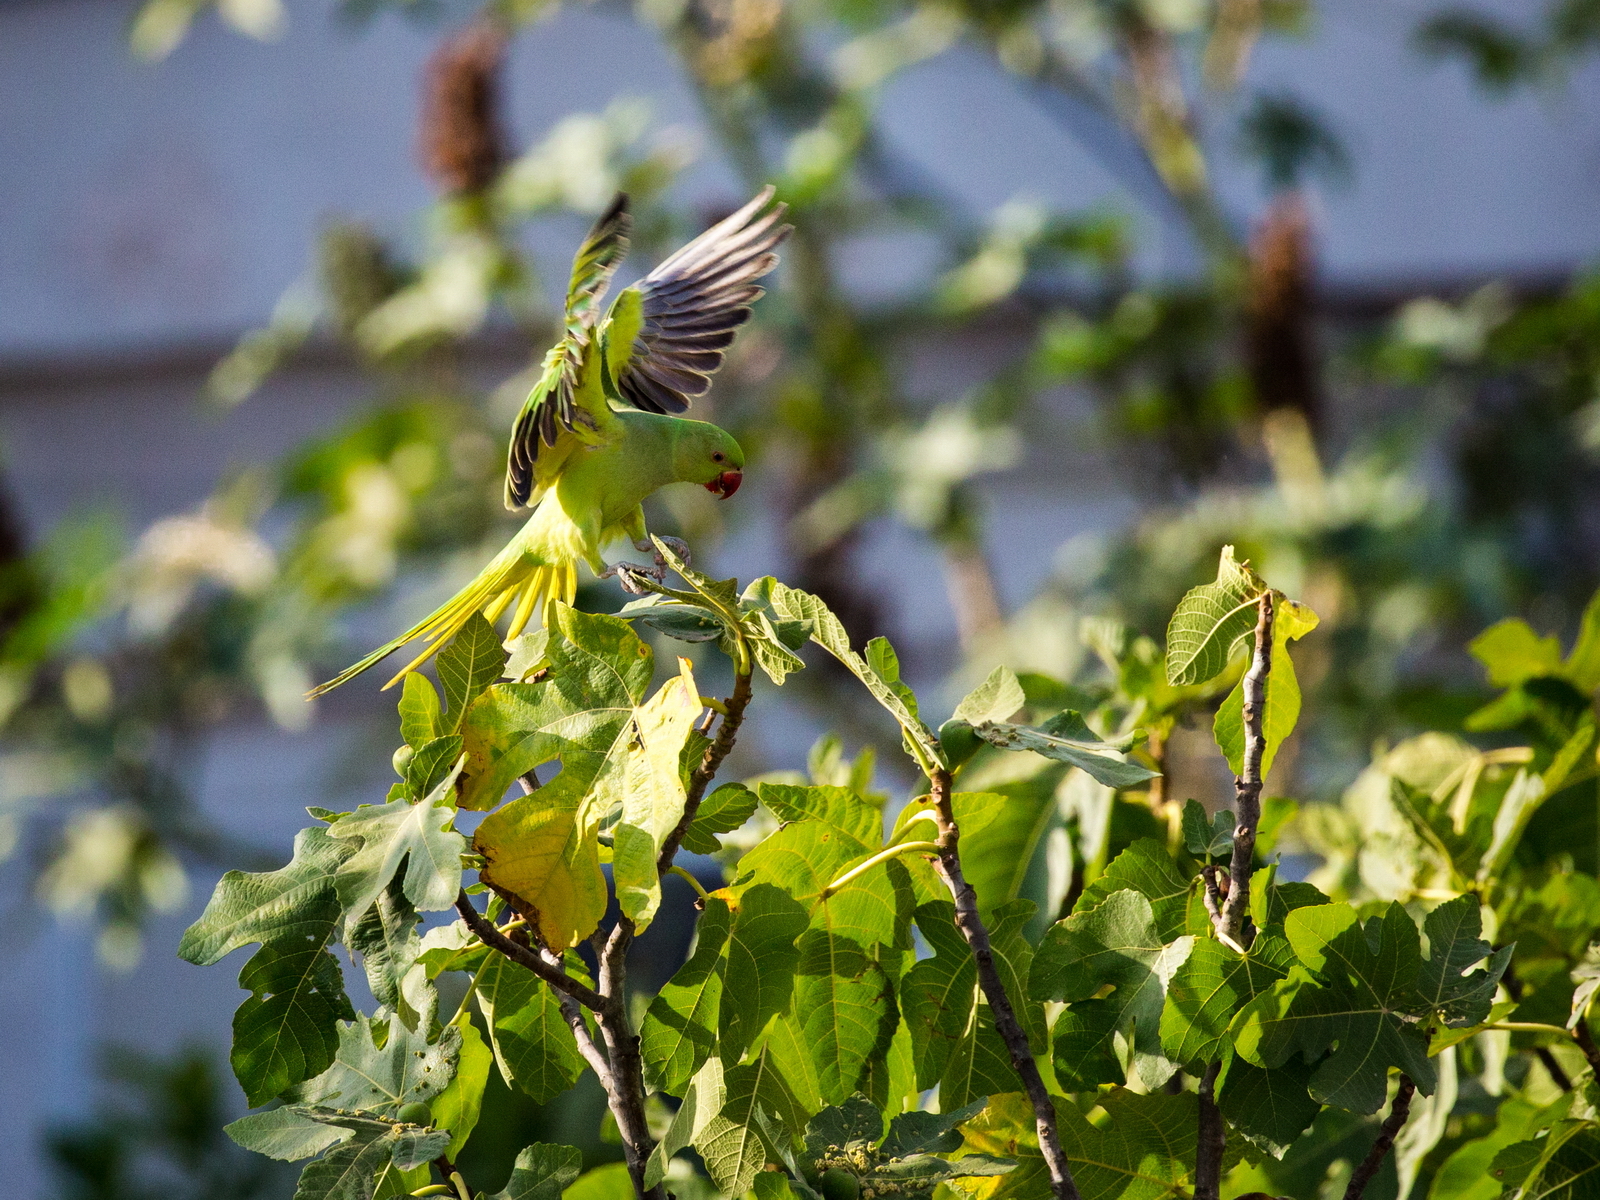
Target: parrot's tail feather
<point>538,582</point>
<point>492,593</point>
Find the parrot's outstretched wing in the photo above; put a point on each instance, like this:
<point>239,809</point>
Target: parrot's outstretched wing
<point>667,334</point>
<point>555,410</point>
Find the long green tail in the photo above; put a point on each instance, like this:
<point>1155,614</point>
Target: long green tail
<point>534,588</point>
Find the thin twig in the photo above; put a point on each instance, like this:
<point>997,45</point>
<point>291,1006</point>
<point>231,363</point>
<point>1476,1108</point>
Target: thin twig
<point>1230,910</point>
<point>1387,1132</point>
<point>710,764</point>
<point>1247,786</point>
<point>1213,1140</point>
<point>1585,1041</point>
<point>948,865</point>
<point>553,975</point>
<point>573,1015</point>
<point>1553,1068</point>
<point>1213,893</point>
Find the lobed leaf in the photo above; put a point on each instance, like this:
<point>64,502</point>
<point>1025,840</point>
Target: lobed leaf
<point>1345,1005</point>
<point>296,901</point>
<point>723,811</point>
<point>761,959</point>
<point>828,632</point>
<point>288,1029</point>
<point>399,834</point>
<point>1117,943</point>
<point>1270,1108</point>
<point>381,1080</point>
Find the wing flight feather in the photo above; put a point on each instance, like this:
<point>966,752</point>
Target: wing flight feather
<point>691,306</point>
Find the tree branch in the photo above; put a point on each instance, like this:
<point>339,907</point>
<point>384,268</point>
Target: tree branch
<point>1230,910</point>
<point>626,1090</point>
<point>1213,1140</point>
<point>1387,1132</point>
<point>1235,920</point>
<point>523,956</point>
<point>573,1015</point>
<point>948,865</point>
<point>1585,1040</point>
<point>710,764</point>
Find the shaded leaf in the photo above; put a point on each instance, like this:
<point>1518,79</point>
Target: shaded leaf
<point>846,1012</point>
<point>761,961</point>
<point>723,811</point>
<point>1348,997</point>
<point>680,1027</point>
<point>288,1030</point>
<point>1146,867</point>
<point>1065,738</point>
<point>1271,1108</point>
<point>1208,990</point>
<point>542,1172</point>
<point>532,1041</point>
<point>1115,943</point>
<point>1207,837</point>
<point>1454,947</point>
<point>430,764</point>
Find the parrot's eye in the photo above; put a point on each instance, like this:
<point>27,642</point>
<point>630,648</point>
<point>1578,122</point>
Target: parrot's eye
<point>717,456</point>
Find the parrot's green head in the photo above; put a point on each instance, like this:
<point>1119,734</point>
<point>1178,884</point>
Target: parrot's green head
<point>707,455</point>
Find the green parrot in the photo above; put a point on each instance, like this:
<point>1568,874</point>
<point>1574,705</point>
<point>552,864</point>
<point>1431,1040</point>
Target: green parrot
<point>596,436</point>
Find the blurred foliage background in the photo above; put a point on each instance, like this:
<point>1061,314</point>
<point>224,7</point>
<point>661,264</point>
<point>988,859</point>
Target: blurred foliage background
<point>1414,474</point>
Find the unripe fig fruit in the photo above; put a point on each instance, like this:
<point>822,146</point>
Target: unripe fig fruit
<point>838,1184</point>
<point>415,1113</point>
<point>960,741</point>
<point>401,760</point>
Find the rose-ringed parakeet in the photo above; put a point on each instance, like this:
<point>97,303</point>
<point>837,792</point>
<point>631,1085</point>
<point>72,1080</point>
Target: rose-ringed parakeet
<point>596,435</point>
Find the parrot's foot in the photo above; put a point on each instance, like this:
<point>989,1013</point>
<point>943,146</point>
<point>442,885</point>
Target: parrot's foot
<point>677,545</point>
<point>629,574</point>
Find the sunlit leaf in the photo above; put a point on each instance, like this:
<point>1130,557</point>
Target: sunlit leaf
<point>1211,622</point>
<point>1290,621</point>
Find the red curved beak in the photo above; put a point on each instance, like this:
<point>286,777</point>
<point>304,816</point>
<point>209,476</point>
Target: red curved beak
<point>726,484</point>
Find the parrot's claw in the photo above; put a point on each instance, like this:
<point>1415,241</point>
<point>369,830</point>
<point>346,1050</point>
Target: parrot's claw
<point>679,547</point>
<point>629,574</point>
